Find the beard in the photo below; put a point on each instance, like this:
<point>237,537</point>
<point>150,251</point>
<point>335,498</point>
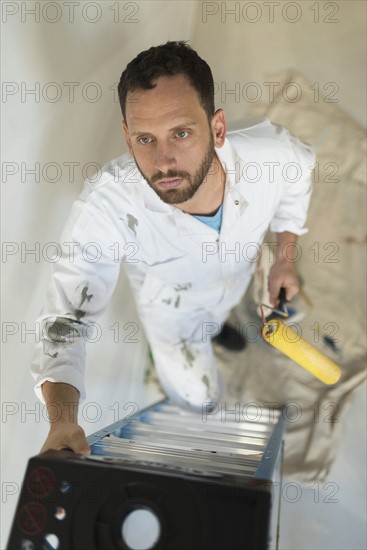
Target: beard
<point>177,196</point>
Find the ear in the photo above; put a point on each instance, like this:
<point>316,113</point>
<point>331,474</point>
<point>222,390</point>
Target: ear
<point>127,137</point>
<point>219,128</point>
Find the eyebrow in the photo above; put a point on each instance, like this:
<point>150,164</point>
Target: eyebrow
<point>178,127</point>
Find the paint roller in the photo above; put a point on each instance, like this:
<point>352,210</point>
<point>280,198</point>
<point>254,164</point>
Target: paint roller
<point>289,342</point>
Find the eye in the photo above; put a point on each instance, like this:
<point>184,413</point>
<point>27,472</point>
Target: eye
<point>144,140</point>
<point>182,134</point>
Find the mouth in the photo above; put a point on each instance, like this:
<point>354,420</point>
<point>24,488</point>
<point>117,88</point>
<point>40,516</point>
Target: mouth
<point>170,183</point>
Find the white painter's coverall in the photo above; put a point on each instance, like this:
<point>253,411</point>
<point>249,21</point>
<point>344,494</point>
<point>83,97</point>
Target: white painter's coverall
<point>185,276</point>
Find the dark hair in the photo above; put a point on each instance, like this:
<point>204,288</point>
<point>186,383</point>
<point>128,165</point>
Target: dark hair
<point>168,59</point>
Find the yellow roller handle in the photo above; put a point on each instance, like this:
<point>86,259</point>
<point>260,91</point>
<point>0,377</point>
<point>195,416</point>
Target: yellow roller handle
<point>285,339</point>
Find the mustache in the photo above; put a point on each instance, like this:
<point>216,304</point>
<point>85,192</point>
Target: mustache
<point>170,175</point>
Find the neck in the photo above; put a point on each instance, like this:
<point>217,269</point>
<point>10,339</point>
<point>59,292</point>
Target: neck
<point>209,196</point>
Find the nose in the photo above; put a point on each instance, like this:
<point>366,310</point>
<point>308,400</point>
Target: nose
<point>164,157</point>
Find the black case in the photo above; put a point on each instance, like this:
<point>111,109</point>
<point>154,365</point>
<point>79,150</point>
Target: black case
<point>71,502</point>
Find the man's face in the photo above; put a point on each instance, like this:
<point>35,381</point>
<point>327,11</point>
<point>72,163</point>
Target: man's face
<point>169,135</point>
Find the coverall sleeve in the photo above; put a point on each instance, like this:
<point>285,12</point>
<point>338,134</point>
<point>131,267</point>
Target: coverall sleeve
<point>82,281</point>
<point>291,212</point>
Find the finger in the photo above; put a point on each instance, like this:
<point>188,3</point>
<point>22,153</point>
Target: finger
<point>74,442</point>
<point>292,290</point>
<point>80,446</point>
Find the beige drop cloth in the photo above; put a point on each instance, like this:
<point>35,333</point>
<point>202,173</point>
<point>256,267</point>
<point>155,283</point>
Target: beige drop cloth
<point>333,268</point>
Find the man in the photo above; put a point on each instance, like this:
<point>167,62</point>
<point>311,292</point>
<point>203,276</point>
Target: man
<point>186,212</point>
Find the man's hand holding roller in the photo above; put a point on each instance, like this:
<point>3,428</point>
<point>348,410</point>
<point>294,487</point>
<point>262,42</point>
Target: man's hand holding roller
<point>283,271</point>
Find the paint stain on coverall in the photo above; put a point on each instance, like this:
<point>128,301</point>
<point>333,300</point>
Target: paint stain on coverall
<point>132,222</point>
<point>178,288</point>
<point>63,330</point>
<point>84,297</point>
<point>205,380</point>
<point>188,355</point>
